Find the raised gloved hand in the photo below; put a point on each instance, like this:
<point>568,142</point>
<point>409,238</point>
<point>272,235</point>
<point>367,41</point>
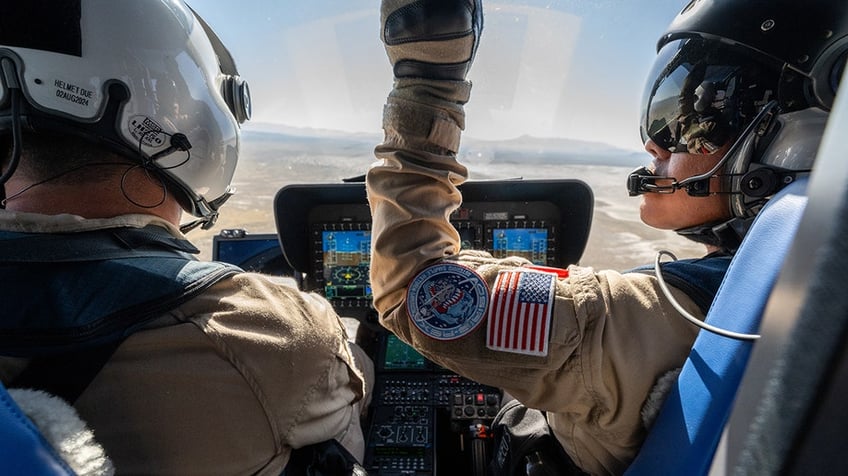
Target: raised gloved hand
<point>431,39</point>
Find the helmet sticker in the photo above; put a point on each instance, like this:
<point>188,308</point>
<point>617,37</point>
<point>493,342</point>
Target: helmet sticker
<point>447,301</point>
<point>147,131</point>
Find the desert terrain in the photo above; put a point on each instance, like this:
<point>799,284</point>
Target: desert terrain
<point>618,240</point>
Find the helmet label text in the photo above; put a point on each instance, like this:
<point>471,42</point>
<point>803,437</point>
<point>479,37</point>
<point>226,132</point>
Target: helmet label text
<point>73,93</point>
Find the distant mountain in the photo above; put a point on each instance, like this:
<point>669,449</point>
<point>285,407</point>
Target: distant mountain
<point>536,150</point>
<point>273,132</point>
<point>520,150</point>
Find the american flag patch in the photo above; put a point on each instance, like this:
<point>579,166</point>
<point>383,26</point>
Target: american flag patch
<point>520,312</point>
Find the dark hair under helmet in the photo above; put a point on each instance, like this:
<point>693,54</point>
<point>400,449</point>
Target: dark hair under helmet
<point>759,74</point>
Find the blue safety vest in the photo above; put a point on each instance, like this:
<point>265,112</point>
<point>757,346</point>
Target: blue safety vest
<point>699,278</point>
<point>64,292</point>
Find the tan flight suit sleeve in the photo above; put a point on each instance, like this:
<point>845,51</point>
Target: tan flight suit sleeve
<point>293,350</point>
<point>613,335</point>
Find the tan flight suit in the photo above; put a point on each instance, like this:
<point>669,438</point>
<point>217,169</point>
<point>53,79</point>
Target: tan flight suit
<point>612,335</point>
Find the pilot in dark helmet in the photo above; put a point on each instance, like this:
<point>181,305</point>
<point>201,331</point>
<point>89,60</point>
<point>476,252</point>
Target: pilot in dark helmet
<point>747,100</point>
<point>115,118</point>
<point>734,109</point>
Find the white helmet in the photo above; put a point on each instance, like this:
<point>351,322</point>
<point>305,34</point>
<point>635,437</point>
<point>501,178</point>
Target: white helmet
<point>147,78</point>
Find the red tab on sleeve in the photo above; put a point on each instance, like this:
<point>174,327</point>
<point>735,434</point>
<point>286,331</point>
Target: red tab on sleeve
<point>561,273</point>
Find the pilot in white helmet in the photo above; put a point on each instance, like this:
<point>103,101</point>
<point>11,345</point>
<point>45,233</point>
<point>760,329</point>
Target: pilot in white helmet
<point>116,116</point>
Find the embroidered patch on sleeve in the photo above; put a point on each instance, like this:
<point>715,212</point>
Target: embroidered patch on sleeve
<point>447,301</point>
<point>520,312</point>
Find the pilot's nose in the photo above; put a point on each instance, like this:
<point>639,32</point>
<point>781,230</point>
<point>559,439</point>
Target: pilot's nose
<point>656,151</point>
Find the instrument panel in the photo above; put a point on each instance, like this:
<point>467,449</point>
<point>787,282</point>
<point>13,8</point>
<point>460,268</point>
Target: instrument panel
<point>324,230</point>
<point>423,419</point>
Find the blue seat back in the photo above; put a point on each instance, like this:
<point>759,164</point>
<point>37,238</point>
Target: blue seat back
<point>687,430</point>
<point>23,449</point>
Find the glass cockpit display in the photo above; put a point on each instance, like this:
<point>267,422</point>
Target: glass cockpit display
<point>400,356</point>
<point>346,261</point>
<point>529,243</point>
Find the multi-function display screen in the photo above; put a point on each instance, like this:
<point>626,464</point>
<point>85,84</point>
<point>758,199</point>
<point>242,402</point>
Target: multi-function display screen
<point>239,251</point>
<point>346,261</point>
<point>400,356</point>
<point>529,243</point>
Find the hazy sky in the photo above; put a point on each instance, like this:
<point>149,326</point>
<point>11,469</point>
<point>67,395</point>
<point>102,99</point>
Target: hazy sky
<point>556,68</point>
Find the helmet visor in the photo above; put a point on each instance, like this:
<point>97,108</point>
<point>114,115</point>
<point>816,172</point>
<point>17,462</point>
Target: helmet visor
<point>700,94</point>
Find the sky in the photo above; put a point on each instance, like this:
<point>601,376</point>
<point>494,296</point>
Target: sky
<point>555,68</point>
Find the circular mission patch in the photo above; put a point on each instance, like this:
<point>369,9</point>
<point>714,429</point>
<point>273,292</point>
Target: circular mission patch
<point>447,301</point>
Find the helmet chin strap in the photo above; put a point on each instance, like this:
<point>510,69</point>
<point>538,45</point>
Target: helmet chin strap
<point>210,213</point>
<point>726,235</point>
<point>187,227</point>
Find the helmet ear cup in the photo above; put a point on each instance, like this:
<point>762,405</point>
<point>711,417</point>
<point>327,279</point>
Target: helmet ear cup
<point>761,182</point>
<point>736,168</point>
<point>827,72</point>
<point>236,93</point>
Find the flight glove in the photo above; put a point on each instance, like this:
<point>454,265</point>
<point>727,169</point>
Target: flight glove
<point>431,39</point>
<point>431,45</point>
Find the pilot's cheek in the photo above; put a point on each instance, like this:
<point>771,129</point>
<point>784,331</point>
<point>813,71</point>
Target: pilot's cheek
<point>662,210</point>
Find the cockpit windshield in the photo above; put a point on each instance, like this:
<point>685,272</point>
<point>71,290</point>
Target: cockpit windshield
<point>557,85</point>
